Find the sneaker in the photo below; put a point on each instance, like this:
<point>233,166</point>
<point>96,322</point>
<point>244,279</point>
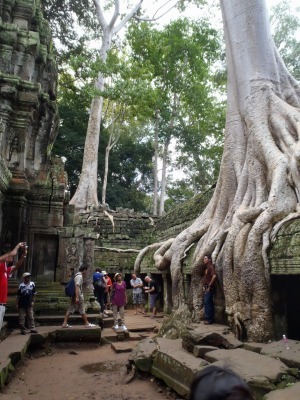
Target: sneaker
<point>116,327</point>
<point>33,331</point>
<point>124,328</point>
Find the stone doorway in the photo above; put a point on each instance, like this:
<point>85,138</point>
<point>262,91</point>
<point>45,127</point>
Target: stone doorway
<point>286,305</point>
<point>44,258</point>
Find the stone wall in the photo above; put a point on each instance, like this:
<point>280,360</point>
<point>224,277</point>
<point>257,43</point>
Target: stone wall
<point>32,186</point>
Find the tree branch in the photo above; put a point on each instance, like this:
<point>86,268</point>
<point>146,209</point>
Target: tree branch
<point>100,14</point>
<point>117,250</point>
<point>128,17</point>
<point>115,14</point>
<point>160,16</point>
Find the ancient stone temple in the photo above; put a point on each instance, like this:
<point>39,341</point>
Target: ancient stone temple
<point>32,184</point>
<point>34,196</point>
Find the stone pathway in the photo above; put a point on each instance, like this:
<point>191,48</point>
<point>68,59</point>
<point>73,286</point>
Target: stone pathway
<point>271,370</point>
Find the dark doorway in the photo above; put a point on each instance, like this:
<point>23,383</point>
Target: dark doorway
<point>286,305</point>
<point>44,258</point>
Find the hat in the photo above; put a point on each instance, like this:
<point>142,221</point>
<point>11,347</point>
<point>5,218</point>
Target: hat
<point>104,272</point>
<point>118,273</point>
<point>26,274</point>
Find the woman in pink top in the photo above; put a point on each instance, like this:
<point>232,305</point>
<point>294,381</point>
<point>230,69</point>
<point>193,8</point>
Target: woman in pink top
<point>118,300</point>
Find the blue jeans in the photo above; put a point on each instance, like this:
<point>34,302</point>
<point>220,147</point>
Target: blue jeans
<point>209,308</point>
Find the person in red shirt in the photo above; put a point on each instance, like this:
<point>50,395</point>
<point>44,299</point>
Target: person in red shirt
<point>209,281</point>
<point>7,267</point>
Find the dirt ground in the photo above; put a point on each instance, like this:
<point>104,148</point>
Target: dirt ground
<point>72,371</point>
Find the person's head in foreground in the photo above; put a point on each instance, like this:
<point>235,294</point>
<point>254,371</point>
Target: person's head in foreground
<point>217,383</point>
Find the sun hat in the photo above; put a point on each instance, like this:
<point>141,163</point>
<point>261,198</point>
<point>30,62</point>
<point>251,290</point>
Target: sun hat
<point>104,273</point>
<point>118,273</point>
<point>26,274</point>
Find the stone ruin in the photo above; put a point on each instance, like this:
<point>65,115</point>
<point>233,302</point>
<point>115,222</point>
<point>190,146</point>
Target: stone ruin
<point>34,196</point>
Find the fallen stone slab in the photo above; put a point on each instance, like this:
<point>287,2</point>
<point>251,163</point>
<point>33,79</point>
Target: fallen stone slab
<point>211,335</point>
<point>290,356</point>
<point>290,393</point>
<point>253,346</point>
<point>262,373</point>
<point>124,347</point>
<point>142,355</point>
<point>200,351</point>
<point>175,366</point>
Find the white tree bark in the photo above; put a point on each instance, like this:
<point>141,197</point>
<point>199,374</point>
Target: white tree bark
<point>86,193</point>
<point>164,176</point>
<point>155,169</point>
<point>259,183</point>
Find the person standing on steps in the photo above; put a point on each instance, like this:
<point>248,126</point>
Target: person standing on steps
<point>107,291</point>
<point>77,302</point>
<point>209,281</point>
<point>7,267</point>
<point>118,301</point>
<point>25,301</point>
<point>99,288</point>
<point>137,293</point>
<point>152,290</point>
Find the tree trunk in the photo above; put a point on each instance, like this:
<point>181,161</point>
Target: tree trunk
<point>86,193</point>
<point>155,171</point>
<point>164,177</point>
<point>104,185</point>
<point>259,178</point>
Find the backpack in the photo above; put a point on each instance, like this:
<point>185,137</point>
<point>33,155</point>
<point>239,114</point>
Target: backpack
<point>99,283</point>
<point>70,287</point>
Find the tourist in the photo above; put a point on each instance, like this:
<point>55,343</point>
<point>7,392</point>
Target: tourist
<point>108,283</point>
<point>152,290</point>
<point>77,302</point>
<point>137,293</point>
<point>6,269</point>
<point>217,383</point>
<point>99,287</point>
<point>118,301</point>
<point>209,281</point>
<point>25,301</point>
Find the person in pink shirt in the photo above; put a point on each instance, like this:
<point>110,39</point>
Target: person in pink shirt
<point>118,300</point>
<point>7,267</point>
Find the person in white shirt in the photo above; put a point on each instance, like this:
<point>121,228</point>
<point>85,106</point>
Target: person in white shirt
<point>137,293</point>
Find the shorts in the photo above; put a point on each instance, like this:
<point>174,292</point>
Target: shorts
<point>137,298</point>
<point>77,307</point>
<point>153,298</point>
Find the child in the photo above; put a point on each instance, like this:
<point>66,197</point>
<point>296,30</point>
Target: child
<point>25,302</point>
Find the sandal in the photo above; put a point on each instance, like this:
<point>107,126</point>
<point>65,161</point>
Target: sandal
<point>66,326</point>
<point>90,326</point>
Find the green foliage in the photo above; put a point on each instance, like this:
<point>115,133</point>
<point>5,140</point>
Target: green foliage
<point>181,58</point>
<point>129,178</point>
<point>285,23</point>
